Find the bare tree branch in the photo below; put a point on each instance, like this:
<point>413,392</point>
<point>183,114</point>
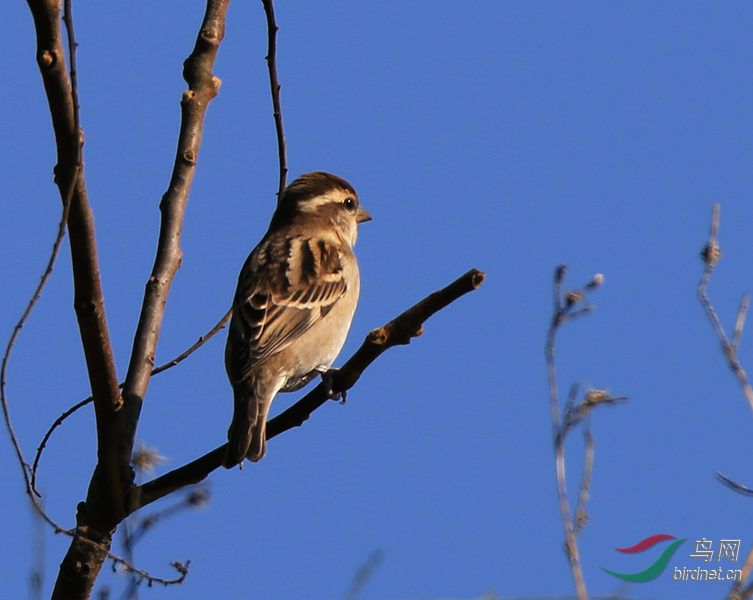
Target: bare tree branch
<point>112,496</point>
<point>133,535</point>
<point>742,312</point>
<point>274,88</point>
<point>37,294</point>
<point>61,90</point>
<point>202,87</point>
<point>196,498</point>
<point>734,485</point>
<point>567,307</point>
<point>363,574</point>
<point>88,300</point>
<point>399,331</point>
<point>151,580</point>
<point>105,502</point>
<point>710,255</point>
<point>581,514</point>
<point>43,444</point>
<point>118,563</point>
<point>203,339</point>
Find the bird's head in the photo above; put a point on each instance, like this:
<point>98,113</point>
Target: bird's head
<point>325,199</point>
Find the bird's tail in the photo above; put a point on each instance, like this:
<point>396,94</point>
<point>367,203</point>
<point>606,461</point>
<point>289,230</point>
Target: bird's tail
<point>258,447</point>
<point>247,429</point>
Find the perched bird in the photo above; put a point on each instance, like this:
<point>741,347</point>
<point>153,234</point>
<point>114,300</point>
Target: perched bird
<point>295,299</point>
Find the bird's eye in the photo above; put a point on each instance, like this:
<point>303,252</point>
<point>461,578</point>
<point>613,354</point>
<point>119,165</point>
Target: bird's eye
<point>350,203</point>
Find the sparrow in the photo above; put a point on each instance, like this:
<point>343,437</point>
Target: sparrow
<point>293,305</point>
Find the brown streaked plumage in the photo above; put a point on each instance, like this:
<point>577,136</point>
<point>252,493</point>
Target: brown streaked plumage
<point>294,303</point>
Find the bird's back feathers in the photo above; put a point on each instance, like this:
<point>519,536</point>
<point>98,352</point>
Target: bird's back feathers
<point>285,287</point>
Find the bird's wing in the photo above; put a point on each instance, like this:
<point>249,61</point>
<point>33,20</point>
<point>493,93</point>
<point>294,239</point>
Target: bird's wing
<point>287,285</point>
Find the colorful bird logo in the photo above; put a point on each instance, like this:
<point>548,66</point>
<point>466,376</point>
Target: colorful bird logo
<point>657,568</point>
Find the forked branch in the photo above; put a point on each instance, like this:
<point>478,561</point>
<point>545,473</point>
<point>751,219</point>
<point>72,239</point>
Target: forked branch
<point>399,331</point>
<point>710,255</point>
<point>173,362</point>
<point>116,416</point>
<point>567,306</point>
<point>203,86</point>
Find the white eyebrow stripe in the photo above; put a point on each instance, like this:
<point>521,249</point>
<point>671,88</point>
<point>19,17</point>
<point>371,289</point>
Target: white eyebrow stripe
<point>314,203</point>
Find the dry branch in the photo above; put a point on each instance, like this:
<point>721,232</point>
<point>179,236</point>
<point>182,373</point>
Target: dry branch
<point>399,331</point>
<point>710,255</point>
<point>203,339</point>
<point>88,298</point>
<point>133,535</point>
<point>112,496</point>
<point>363,574</point>
<point>274,88</point>
<point>36,295</point>
<point>203,86</point>
<point>61,91</point>
<point>567,306</point>
<point>105,504</point>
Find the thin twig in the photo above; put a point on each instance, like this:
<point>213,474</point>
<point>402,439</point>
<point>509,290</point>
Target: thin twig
<point>203,339</point>
<point>70,33</point>
<point>399,331</point>
<point>581,514</point>
<point>142,575</point>
<point>193,499</point>
<point>40,448</point>
<point>195,346</point>
<point>17,330</point>
<point>363,574</point>
<point>569,409</point>
<point>742,311</point>
<point>735,486</point>
<point>566,307</point>
<point>274,88</point>
<point>72,181</point>
<point>133,535</point>
<point>710,255</point>
<point>117,561</point>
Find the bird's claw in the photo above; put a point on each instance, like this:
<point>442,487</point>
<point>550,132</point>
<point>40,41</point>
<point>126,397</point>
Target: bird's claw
<point>328,379</point>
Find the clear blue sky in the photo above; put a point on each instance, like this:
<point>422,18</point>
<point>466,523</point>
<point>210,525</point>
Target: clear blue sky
<point>504,136</point>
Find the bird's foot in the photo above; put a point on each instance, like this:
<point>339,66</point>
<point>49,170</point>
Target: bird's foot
<point>328,379</point>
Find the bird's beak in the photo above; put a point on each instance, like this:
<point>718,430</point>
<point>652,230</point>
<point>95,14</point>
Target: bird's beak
<point>363,215</point>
